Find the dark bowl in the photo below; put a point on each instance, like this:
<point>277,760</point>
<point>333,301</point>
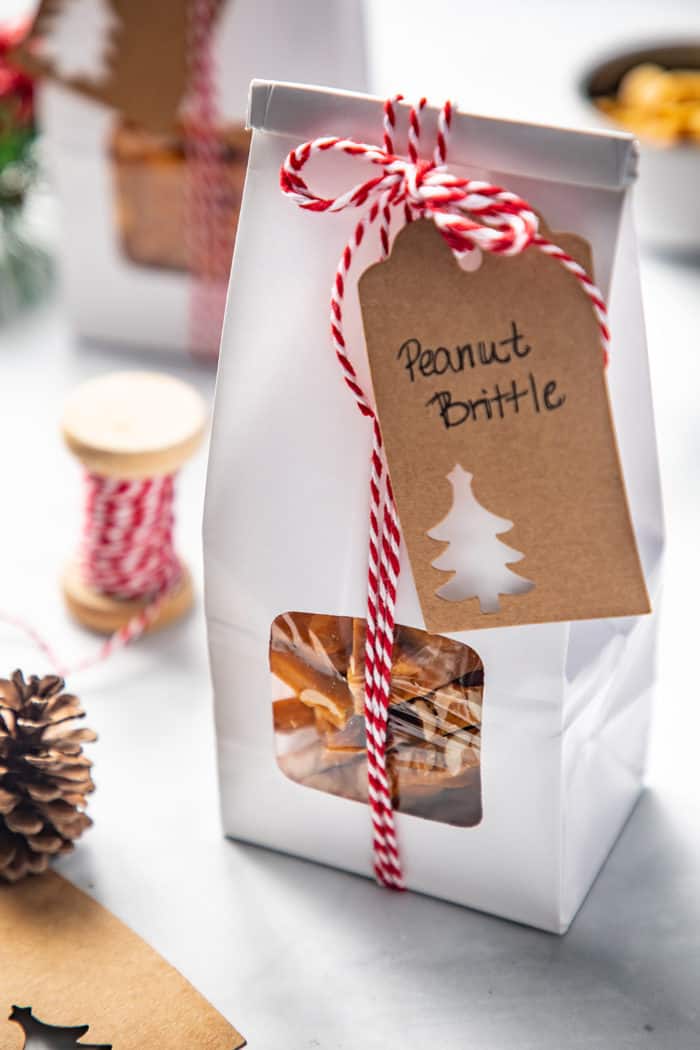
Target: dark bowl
<point>605,78</point>
<point>669,175</point>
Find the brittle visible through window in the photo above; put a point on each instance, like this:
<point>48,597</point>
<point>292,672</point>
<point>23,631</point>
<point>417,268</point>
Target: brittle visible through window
<point>434,727</point>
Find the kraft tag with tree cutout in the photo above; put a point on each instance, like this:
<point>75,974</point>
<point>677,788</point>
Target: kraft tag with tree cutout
<point>67,962</point>
<point>492,398</point>
<point>126,53</point>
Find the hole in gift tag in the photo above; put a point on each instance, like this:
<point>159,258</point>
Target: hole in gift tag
<point>434,726</point>
<point>40,1036</point>
<point>471,261</point>
<point>477,559</point>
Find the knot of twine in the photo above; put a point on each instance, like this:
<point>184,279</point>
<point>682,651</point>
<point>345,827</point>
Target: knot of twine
<point>472,216</point>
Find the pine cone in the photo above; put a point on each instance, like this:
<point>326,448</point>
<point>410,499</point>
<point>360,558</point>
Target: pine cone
<point>44,775</point>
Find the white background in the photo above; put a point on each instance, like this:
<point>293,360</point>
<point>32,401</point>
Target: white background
<point>295,955</point>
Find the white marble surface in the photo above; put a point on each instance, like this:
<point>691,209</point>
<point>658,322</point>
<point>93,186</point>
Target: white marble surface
<point>298,956</point>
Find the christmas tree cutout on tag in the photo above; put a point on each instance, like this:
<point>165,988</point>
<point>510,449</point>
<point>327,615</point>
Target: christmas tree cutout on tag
<point>79,39</point>
<point>477,560</point>
<point>500,371</point>
<point>39,1035</point>
<point>130,54</point>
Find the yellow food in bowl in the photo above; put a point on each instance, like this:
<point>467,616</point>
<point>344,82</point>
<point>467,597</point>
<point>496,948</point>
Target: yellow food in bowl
<point>660,105</point>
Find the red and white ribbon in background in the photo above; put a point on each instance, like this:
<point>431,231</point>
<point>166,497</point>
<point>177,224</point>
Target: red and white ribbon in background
<point>209,246</point>
<point>471,215</point>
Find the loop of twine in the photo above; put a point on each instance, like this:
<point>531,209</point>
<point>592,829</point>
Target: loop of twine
<point>472,216</point>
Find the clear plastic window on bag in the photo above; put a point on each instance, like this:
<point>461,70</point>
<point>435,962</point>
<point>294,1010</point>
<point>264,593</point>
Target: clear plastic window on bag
<point>434,726</point>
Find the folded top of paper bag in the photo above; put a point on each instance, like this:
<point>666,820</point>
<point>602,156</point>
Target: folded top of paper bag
<point>603,159</point>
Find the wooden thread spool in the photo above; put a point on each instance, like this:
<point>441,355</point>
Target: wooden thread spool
<point>130,426</point>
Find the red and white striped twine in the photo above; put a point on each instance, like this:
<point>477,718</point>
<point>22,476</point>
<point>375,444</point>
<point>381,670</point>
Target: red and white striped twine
<point>126,552</point>
<point>127,544</point>
<point>472,215</point>
<point>208,244</point>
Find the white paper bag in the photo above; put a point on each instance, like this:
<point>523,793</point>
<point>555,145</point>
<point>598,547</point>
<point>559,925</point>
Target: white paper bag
<point>565,705</point>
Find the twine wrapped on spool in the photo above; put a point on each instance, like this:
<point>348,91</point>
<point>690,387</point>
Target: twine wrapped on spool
<point>131,431</point>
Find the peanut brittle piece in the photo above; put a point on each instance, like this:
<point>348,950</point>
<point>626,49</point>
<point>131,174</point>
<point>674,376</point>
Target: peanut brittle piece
<point>423,759</point>
<point>409,777</point>
<point>323,639</point>
<point>418,798</point>
<point>348,780</point>
<point>290,714</point>
<point>425,720</point>
<point>330,759</point>
<point>431,660</point>
<point>421,763</point>
<point>350,738</point>
<point>458,805</point>
<point>314,758</point>
<point>446,710</point>
<point>335,773</point>
<point>427,715</point>
<point>403,688</point>
<point>462,751</point>
<point>334,633</point>
<point>356,666</point>
<point>458,707</point>
<point>322,724</point>
<point>404,727</point>
<point>337,708</point>
<point>300,764</point>
<point>316,688</point>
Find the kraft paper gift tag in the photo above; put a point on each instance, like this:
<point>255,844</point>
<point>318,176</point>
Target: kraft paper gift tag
<point>126,53</point>
<point>74,964</point>
<point>491,392</point>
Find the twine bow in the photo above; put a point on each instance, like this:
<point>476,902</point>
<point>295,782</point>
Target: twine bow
<point>472,216</point>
